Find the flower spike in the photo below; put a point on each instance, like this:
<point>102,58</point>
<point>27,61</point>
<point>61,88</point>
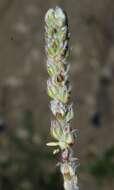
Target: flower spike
<point>59,90</point>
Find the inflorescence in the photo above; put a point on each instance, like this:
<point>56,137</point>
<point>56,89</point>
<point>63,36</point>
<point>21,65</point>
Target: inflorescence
<point>59,90</point>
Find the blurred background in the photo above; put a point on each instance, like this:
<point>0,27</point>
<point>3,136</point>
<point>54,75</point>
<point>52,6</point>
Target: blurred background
<point>25,162</point>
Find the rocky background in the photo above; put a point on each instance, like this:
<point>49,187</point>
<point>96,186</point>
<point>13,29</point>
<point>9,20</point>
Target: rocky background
<point>25,162</point>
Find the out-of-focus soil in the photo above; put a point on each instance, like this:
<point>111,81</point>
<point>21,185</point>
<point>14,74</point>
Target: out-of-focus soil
<point>23,71</point>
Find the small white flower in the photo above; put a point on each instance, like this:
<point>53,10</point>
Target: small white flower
<point>58,107</point>
<point>60,16</point>
<point>49,13</point>
<point>71,184</point>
